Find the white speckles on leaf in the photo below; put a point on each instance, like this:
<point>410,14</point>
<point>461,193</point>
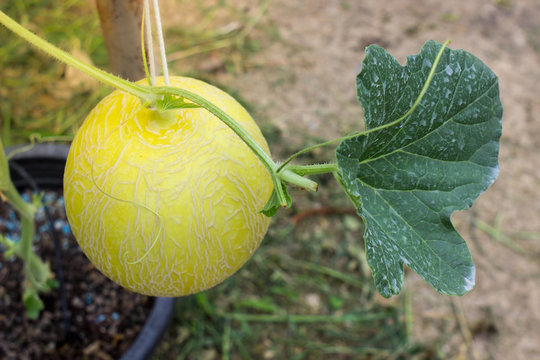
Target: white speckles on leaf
<point>406,180</point>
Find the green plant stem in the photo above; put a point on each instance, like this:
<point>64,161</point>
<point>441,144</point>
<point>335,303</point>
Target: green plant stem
<point>250,142</point>
<point>226,342</point>
<point>150,95</point>
<point>4,169</point>
<point>36,272</point>
<point>229,121</point>
<point>324,270</point>
<point>142,92</point>
<point>8,190</point>
<point>308,149</point>
<point>306,319</point>
<point>293,178</point>
<point>314,169</point>
<point>25,243</point>
<point>26,210</point>
<point>37,138</point>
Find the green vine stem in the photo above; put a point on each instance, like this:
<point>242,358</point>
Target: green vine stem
<point>250,142</point>
<point>26,210</point>
<point>9,191</point>
<point>314,169</point>
<point>151,95</point>
<point>36,272</point>
<point>141,92</point>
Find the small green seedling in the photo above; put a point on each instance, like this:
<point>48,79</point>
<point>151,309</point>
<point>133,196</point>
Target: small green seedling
<point>37,274</point>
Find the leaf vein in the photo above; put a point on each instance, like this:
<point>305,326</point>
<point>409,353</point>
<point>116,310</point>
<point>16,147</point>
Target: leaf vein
<point>434,130</point>
<point>437,256</point>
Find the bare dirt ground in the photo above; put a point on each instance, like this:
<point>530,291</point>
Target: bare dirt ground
<point>302,80</point>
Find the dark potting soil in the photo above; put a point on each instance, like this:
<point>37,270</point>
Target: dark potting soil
<point>102,317</point>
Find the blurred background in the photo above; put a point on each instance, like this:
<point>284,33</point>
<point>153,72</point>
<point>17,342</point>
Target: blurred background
<point>308,293</point>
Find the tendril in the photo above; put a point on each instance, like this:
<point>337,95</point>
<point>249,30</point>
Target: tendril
<point>130,202</point>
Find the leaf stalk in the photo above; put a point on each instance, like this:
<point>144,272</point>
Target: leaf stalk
<point>141,92</point>
<point>152,95</point>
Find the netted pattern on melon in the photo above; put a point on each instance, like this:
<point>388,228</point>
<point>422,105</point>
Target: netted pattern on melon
<point>206,185</point>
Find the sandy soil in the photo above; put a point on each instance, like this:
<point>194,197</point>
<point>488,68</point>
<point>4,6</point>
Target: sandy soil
<point>303,81</point>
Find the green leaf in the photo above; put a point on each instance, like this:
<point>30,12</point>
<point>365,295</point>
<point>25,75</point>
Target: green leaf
<point>32,302</point>
<point>408,178</point>
<point>273,204</point>
<point>11,248</point>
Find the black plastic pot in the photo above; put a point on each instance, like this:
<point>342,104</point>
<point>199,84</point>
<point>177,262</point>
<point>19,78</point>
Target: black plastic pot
<point>44,163</point>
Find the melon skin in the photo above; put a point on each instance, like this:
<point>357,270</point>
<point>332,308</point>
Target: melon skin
<point>166,205</point>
